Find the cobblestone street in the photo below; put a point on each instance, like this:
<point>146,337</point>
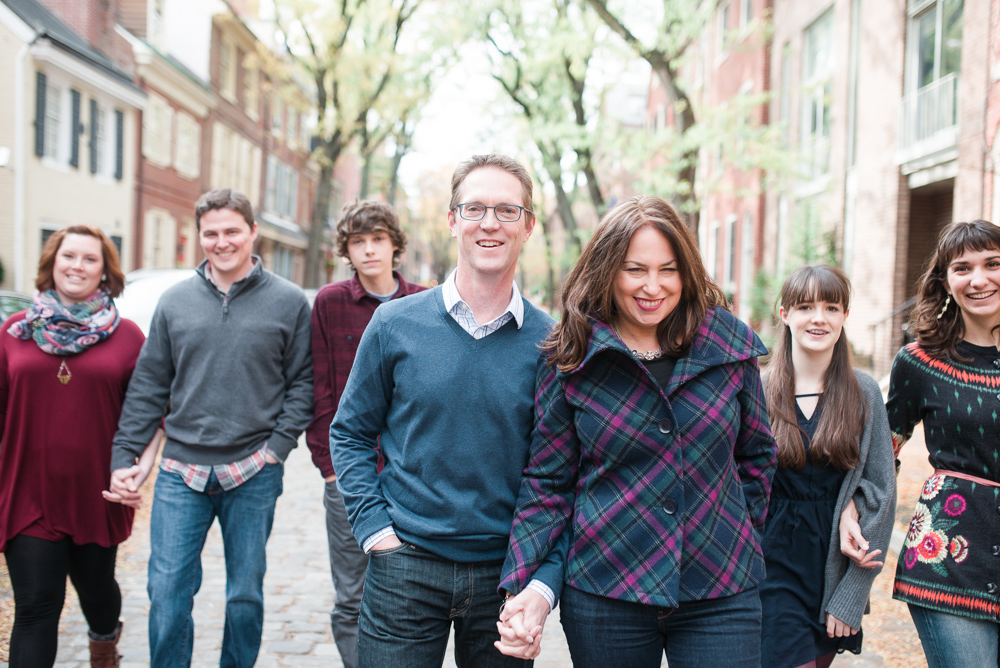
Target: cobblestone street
<point>298,591</point>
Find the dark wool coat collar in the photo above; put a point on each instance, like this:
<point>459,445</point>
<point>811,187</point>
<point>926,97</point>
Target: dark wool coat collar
<point>722,338</point>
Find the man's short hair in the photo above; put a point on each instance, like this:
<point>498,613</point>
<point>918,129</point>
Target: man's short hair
<point>498,161</point>
<point>368,217</point>
<point>223,198</point>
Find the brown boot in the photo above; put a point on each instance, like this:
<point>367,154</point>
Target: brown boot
<point>104,653</point>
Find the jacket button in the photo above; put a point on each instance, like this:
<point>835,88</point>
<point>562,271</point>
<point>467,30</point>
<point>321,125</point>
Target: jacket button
<point>666,426</point>
<point>991,588</point>
<point>670,506</point>
<point>996,550</point>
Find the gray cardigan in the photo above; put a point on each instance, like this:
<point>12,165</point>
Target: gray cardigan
<point>872,485</point>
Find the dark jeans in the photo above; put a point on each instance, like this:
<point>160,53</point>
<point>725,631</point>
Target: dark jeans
<point>38,570</point>
<point>604,632</point>
<point>410,601</point>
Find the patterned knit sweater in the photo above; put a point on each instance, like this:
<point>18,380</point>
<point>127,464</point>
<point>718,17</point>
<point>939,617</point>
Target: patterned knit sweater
<point>951,559</point>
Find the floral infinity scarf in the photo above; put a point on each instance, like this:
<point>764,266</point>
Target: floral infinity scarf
<point>67,330</point>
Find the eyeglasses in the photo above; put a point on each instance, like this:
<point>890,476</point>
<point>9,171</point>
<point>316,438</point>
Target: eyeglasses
<point>505,213</point>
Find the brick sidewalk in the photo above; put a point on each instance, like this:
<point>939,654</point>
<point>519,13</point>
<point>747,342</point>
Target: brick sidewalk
<point>298,592</point>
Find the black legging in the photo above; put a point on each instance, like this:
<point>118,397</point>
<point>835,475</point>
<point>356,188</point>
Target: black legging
<point>38,570</point>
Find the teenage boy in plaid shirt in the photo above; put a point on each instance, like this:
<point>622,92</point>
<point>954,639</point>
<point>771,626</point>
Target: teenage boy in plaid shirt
<point>228,351</point>
<point>369,238</point>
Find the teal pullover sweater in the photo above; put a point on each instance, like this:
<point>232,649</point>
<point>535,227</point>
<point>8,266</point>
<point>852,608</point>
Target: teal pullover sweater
<point>454,415</point>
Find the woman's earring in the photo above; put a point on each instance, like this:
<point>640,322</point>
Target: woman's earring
<point>945,307</point>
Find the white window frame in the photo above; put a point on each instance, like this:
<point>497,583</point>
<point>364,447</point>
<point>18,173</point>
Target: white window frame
<point>729,257</point>
<point>817,108</point>
<point>187,157</point>
<point>721,27</point>
<point>157,130</point>
<point>227,69</point>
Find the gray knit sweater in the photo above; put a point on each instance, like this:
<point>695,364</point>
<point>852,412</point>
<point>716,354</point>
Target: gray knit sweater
<point>235,368</point>
<point>872,485</point>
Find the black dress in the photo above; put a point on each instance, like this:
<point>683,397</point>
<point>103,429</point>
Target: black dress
<point>796,544</point>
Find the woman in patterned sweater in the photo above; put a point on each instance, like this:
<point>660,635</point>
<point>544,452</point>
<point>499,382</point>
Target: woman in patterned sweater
<point>651,459</point>
<point>949,568</point>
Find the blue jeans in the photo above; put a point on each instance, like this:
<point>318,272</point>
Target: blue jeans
<point>179,524</point>
<point>410,600</point>
<point>720,632</point>
<point>951,640</point>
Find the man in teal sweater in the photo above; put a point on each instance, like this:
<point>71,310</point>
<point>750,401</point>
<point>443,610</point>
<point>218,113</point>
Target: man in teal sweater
<point>444,380</point>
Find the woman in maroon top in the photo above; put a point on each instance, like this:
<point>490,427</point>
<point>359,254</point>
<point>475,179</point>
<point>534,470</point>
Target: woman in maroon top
<point>64,366</point>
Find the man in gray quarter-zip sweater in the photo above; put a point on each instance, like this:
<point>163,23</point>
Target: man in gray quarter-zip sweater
<point>228,362</point>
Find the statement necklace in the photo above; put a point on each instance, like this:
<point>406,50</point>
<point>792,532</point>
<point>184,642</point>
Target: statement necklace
<point>647,356</point>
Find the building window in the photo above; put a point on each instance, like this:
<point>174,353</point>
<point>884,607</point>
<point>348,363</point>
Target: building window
<point>100,148</point>
<point>157,130</point>
<point>282,188</point>
<point>276,113</point>
<point>251,92</point>
<point>746,12</point>
<point>933,68</point>
<point>284,262</point>
<point>746,266</point>
<point>730,259</point>
<point>711,247</point>
<point>188,158</point>
<point>227,71</point>
<point>724,23</point>
<point>53,121</point>
<point>291,128</point>
<point>817,91</point>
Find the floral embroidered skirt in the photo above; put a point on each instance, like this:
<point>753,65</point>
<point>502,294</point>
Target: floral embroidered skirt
<point>951,558</point>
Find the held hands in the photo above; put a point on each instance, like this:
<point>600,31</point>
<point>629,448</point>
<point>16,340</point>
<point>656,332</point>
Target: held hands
<point>125,484</point>
<point>521,622</point>
<point>838,629</point>
<point>852,544</point>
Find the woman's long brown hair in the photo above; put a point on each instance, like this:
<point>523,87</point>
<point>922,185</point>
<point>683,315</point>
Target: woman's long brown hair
<point>938,329</point>
<point>589,289</point>
<point>836,441</point>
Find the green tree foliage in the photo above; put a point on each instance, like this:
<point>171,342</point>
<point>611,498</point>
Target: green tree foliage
<point>666,34</point>
<point>367,76</point>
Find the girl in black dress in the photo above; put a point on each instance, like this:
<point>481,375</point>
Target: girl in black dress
<point>834,444</point>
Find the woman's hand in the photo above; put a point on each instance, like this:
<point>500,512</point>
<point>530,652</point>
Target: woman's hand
<point>852,544</point>
<point>838,629</point>
<point>521,622</point>
<point>125,484</point>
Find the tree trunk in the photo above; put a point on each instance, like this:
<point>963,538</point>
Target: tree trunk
<point>321,206</point>
<point>550,163</point>
<point>550,286</point>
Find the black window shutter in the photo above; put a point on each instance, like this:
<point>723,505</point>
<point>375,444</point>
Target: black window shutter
<point>40,88</point>
<point>93,136</point>
<point>119,132</point>
<point>74,133</point>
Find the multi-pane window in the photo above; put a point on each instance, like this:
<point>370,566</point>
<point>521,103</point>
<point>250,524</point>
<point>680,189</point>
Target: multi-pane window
<point>282,188</point>
<point>723,24</point>
<point>730,250</point>
<point>188,154</point>
<point>227,70</point>
<point>53,120</point>
<point>251,92</point>
<point>938,34</point>
<point>817,91</point>
<point>746,12</point>
<point>100,148</point>
<point>284,263</point>
<point>157,130</point>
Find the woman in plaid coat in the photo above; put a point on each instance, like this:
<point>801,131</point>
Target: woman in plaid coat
<point>651,461</point>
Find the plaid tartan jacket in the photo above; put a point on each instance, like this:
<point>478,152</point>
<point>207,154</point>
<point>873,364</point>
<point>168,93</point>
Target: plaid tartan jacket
<point>648,495</point>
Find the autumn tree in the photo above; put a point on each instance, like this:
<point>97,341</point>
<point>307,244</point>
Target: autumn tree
<point>540,55</point>
<point>359,61</point>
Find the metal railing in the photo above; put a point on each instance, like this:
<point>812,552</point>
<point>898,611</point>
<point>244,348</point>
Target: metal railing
<point>928,111</point>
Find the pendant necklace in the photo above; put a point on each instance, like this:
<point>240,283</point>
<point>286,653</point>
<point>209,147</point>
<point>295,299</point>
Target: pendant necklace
<point>64,374</point>
<point>647,356</point>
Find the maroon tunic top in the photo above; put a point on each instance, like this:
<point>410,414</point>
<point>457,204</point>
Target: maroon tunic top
<point>55,439</point>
